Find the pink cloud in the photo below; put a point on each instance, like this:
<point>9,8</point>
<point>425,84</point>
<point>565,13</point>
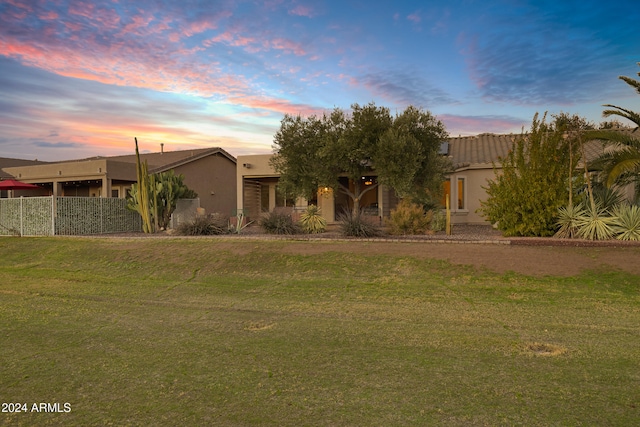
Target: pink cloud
<point>288,46</point>
<point>253,45</point>
<point>275,105</point>
<point>414,17</point>
<point>231,39</point>
<point>48,15</point>
<point>19,4</point>
<point>301,10</point>
<point>474,125</point>
<point>86,10</point>
<point>206,23</point>
<point>147,52</point>
<point>126,66</point>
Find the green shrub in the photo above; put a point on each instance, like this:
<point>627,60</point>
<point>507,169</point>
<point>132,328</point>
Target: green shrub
<point>438,220</point>
<point>204,226</point>
<point>358,226</point>
<point>311,220</point>
<point>409,218</point>
<point>532,184</point>
<point>627,222</point>
<point>278,223</point>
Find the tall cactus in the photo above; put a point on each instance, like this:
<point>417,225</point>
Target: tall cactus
<point>141,196</point>
<point>154,196</point>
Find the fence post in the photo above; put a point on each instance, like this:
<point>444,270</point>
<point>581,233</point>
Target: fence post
<point>21,219</point>
<point>101,212</point>
<point>53,215</point>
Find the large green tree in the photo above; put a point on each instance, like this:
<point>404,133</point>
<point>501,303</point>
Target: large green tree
<point>533,180</point>
<point>621,165</point>
<point>408,156</point>
<point>402,151</point>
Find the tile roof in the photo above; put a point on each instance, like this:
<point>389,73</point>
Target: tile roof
<point>481,151</point>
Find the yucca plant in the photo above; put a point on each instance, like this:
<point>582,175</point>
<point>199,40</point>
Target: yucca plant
<point>597,224</point>
<point>312,221</point>
<point>569,220</point>
<point>627,222</point>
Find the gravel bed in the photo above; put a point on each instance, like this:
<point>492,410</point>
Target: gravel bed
<point>462,233</point>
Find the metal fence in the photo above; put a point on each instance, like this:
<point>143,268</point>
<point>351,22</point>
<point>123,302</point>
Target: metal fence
<point>48,216</point>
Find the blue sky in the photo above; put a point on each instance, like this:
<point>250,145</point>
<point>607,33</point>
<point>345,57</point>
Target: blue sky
<point>80,79</point>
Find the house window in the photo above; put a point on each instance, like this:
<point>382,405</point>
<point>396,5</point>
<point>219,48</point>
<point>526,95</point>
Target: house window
<point>283,199</point>
<point>446,193</point>
<point>455,193</point>
<point>115,193</point>
<point>461,193</point>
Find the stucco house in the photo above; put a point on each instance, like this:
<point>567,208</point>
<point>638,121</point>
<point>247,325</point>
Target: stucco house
<point>6,162</point>
<point>210,172</point>
<point>473,159</point>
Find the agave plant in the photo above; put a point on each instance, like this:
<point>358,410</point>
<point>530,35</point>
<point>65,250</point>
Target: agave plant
<point>569,220</point>
<point>627,223</point>
<point>240,223</point>
<point>311,220</point>
<point>596,224</point>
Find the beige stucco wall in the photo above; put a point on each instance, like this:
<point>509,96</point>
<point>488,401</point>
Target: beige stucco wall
<point>475,179</point>
<point>251,166</point>
<point>214,179</point>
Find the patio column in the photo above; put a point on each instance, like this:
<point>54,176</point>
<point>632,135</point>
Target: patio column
<point>272,197</point>
<point>57,189</point>
<point>106,187</point>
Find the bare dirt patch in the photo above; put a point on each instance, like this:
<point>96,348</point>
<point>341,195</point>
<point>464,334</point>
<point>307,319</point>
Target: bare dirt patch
<point>529,260</point>
<point>479,246</point>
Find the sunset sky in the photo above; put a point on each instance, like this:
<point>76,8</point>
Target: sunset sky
<point>80,78</point>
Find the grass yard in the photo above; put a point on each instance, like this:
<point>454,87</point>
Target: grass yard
<point>275,333</point>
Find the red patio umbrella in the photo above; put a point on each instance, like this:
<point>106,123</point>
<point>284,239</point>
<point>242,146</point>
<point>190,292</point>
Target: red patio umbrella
<point>12,184</point>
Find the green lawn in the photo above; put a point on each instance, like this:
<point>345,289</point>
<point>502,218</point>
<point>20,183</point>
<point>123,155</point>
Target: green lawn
<point>175,332</point>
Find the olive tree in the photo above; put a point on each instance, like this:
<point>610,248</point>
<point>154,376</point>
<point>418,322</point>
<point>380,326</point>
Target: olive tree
<point>402,151</point>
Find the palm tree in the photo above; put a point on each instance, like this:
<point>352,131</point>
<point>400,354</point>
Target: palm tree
<point>622,164</point>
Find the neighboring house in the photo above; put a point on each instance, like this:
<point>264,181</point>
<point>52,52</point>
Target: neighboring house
<point>210,172</point>
<point>6,162</point>
<point>473,159</point>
